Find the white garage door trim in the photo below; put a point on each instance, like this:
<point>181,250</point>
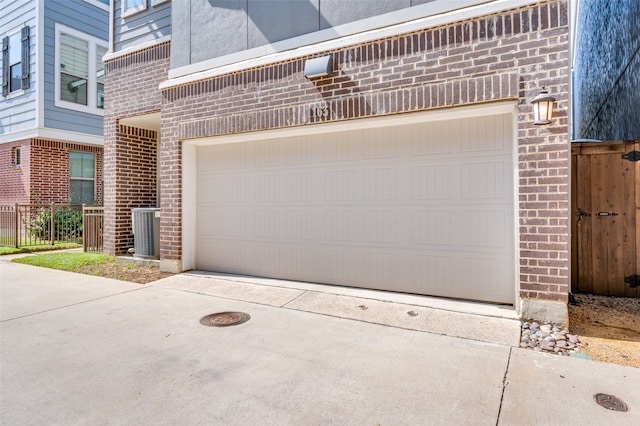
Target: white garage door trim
<point>190,167</point>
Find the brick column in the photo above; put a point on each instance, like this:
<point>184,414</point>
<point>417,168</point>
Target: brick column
<point>130,182</point>
<point>130,154</point>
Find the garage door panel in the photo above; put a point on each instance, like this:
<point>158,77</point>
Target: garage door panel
<point>380,184</point>
<point>435,269</point>
<point>432,182</point>
<point>485,276</point>
<point>224,255</point>
<point>484,228</point>
<point>434,228</point>
<point>424,208</point>
<point>487,180</point>
<point>485,134</point>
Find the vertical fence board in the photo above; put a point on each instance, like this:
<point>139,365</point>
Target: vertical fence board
<point>605,245</point>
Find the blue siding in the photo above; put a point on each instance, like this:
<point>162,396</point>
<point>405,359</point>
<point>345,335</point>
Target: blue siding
<point>149,25</point>
<point>18,113</point>
<point>91,20</point>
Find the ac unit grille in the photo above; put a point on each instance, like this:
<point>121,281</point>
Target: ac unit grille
<point>146,232</point>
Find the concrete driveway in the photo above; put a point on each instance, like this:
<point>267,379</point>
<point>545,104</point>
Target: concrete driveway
<point>86,350</point>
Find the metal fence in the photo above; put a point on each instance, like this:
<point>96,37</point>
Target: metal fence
<point>40,224</point>
<point>8,226</point>
<point>93,220</point>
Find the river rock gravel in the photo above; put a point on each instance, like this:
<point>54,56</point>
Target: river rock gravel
<point>548,338</point>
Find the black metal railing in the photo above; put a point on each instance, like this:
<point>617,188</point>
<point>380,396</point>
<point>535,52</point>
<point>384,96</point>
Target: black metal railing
<point>23,225</point>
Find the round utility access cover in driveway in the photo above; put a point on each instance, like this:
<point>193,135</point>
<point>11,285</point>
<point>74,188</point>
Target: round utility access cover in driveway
<point>610,402</point>
<point>224,319</point>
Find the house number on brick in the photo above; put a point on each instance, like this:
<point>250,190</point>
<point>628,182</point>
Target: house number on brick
<point>320,110</point>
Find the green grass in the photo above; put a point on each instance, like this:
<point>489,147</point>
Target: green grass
<point>72,262</point>
<point>36,248</point>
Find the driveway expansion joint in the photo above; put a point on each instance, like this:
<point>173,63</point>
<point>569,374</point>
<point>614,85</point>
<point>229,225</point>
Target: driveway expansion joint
<point>294,299</point>
<point>504,385</point>
<point>70,305</point>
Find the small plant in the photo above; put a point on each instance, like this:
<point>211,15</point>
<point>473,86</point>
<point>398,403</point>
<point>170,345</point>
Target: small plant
<point>67,223</point>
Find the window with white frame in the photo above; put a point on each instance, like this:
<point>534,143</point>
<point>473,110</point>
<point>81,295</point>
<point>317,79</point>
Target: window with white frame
<point>131,7</point>
<point>157,2</point>
<point>79,71</point>
<point>15,61</point>
<point>82,177</point>
<point>102,4</point>
<point>101,51</point>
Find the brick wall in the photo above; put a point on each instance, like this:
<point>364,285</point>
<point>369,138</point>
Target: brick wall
<point>135,180</point>
<point>43,175</point>
<point>14,179</point>
<point>131,88</point>
<point>505,56</point>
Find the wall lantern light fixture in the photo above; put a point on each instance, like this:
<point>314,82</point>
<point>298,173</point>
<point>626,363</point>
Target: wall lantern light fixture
<point>543,107</point>
<point>318,67</point>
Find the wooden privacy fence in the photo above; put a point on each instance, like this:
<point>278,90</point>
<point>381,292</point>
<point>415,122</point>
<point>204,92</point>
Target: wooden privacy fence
<point>40,224</point>
<point>605,204</point>
<point>93,219</point>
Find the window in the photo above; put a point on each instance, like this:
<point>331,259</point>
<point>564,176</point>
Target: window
<point>74,69</point>
<point>15,62</point>
<point>157,2</point>
<point>82,177</point>
<point>100,77</point>
<point>102,4</point>
<point>79,71</point>
<point>131,7</point>
<point>15,156</point>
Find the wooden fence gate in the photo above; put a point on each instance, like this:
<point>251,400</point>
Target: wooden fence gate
<point>605,206</point>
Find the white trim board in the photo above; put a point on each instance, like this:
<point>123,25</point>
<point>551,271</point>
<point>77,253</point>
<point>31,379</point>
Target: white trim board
<point>39,78</point>
<point>112,6</point>
<point>99,4</point>
<point>110,56</point>
<point>52,134</point>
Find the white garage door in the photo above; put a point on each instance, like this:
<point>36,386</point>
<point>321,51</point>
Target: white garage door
<point>421,208</point>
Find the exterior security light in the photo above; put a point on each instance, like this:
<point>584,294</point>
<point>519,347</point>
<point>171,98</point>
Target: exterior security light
<point>543,107</point>
<point>318,67</point>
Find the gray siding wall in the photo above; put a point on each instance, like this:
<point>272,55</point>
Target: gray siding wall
<point>148,25</point>
<point>206,29</point>
<point>91,20</point>
<point>607,70</point>
<point>18,112</point>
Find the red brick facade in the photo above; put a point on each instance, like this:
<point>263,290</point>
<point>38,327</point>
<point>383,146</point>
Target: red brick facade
<point>131,88</point>
<point>504,56</point>
<point>43,173</point>
<point>15,179</point>
<point>135,179</point>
